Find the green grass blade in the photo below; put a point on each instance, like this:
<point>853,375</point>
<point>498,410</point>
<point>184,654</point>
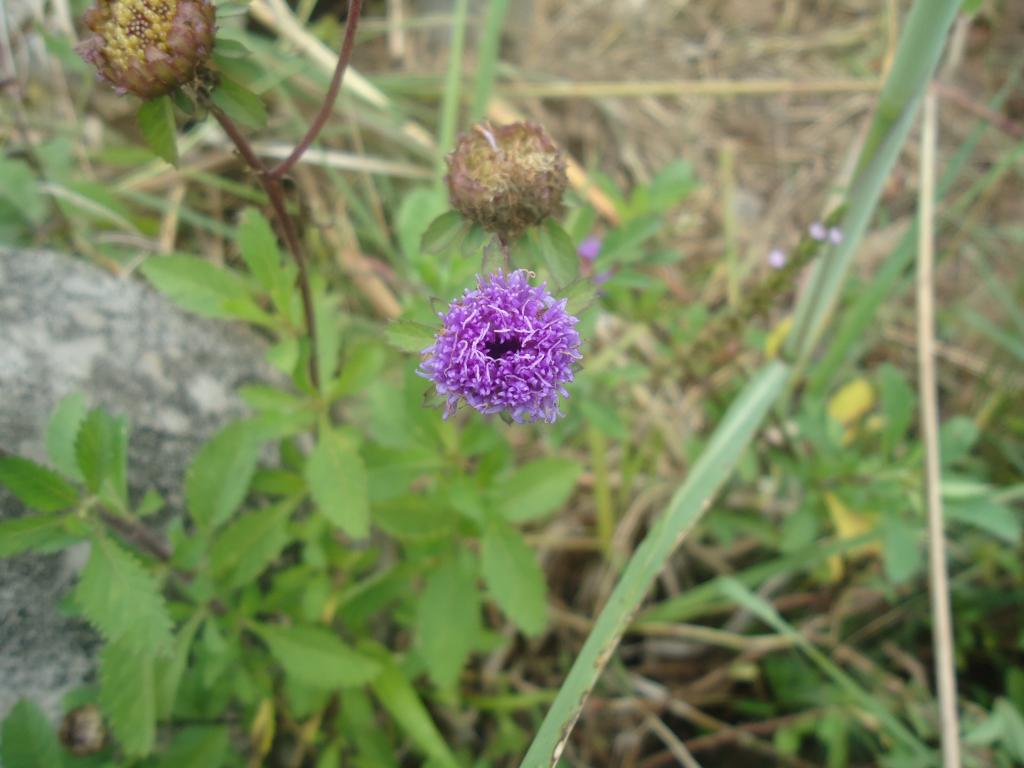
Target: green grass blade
<point>723,451</point>
<point>487,58</point>
<point>452,87</point>
<point>743,597</point>
<point>920,47</point>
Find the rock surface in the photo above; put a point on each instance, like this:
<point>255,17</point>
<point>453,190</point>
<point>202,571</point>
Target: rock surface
<point>66,327</point>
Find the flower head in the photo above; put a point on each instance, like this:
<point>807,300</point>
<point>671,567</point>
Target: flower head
<point>777,258</point>
<point>505,347</point>
<point>589,248</point>
<point>506,177</point>
<point>148,47</point>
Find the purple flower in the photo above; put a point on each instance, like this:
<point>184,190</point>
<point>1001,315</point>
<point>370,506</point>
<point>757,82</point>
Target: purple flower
<point>506,347</point>
<point>835,235</point>
<point>817,231</point>
<point>589,248</point>
<point>777,258</point>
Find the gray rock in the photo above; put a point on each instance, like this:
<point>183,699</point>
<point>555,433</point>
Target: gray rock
<point>66,327</point>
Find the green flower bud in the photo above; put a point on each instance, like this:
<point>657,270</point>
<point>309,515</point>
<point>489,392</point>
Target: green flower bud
<point>506,177</point>
<point>148,47</point>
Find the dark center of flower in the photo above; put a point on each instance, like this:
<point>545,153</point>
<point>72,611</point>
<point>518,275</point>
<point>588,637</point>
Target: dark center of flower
<point>498,346</point>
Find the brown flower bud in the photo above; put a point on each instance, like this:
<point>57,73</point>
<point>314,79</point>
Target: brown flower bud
<point>506,177</point>
<point>148,47</point>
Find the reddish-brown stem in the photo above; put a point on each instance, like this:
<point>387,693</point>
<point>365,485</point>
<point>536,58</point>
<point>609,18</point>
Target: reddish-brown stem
<point>354,8</point>
<point>275,193</point>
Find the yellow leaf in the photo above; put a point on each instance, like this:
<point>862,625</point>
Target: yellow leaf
<point>261,733</point>
<point>850,524</point>
<point>773,343</point>
<point>852,401</point>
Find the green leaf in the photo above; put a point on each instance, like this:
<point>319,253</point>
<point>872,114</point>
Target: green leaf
<point>32,532</point>
<point>36,486</point>
<point>448,619</point>
<point>410,336</point>
<point>579,296</point>
<point>328,338</point>
<point>316,657</point>
<point>122,599</point>
<point>513,577</point>
<point>195,285</point>
<point>957,437</point>
<point>27,740</point>
<point>537,489</point>
<point>897,402</point>
<point>902,553</point>
<point>336,477</point>
<point>200,746</point>
<point>156,121</point>
<point>61,433</point>
<point>101,449</point>
<point>239,103</point>
<point>168,673</point>
<point>414,517</point>
<point>443,234</point>
<point>245,547</point>
<point>258,246</point>
<point>19,187</point>
<point>558,253</point>
<point>987,514</point>
<point>398,696</point>
<point>128,696</point>
<point>218,479</point>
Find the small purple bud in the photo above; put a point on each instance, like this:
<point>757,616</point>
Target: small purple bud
<point>777,258</point>
<point>835,235</point>
<point>817,232</point>
<point>603,277</point>
<point>589,248</point>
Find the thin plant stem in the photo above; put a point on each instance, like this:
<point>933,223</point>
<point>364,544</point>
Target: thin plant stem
<point>938,578</point>
<point>354,8</point>
<point>275,193</point>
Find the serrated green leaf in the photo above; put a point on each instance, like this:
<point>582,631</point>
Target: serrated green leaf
<point>558,253</point>
<point>32,532</point>
<point>36,486</point>
<point>27,740</point>
<point>168,673</point>
<point>448,619</point>
<point>239,103</point>
<point>122,600</point>
<point>514,579</point>
<point>336,477</point>
<point>128,696</point>
<point>218,478</point>
<point>315,657</point>
<point>156,122</point>
<point>101,449</point>
<point>415,518</point>
<point>443,233</point>
<point>152,502</point>
<point>61,432</point>
<point>537,489</point>
<point>198,747</point>
<point>245,547</point>
<point>398,696</point>
<point>195,285</point>
<point>410,336</point>
<point>258,246</point>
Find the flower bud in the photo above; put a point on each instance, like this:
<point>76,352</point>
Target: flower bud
<point>507,177</point>
<point>148,47</point>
